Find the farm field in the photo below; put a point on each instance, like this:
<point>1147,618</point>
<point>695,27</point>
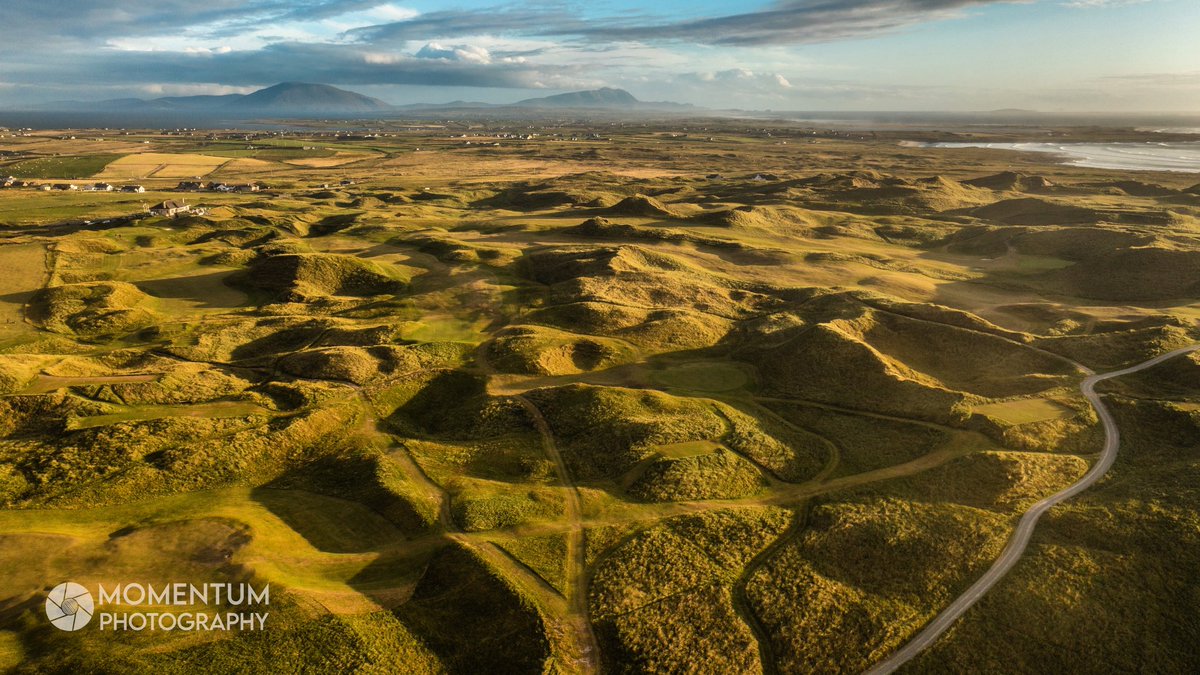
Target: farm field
<point>160,165</point>
<point>630,403</point>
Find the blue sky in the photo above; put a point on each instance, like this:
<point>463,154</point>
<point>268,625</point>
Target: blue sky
<point>1103,55</point>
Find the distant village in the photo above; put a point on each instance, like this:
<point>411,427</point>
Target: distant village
<point>11,182</point>
<point>205,186</point>
<point>184,186</point>
<point>169,208</point>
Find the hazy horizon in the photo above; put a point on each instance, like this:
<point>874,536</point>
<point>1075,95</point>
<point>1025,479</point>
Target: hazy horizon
<point>1102,56</point>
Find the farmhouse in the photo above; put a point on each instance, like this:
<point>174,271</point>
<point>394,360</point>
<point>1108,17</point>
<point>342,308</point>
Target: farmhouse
<point>65,186</point>
<point>192,185</point>
<point>8,182</point>
<point>132,188</point>
<point>102,187</point>
<point>169,208</point>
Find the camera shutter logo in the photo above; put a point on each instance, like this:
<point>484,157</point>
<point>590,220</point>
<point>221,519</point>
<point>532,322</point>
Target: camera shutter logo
<point>69,606</point>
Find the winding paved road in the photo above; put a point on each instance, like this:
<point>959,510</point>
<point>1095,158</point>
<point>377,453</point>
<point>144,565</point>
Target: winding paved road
<point>1020,538</point>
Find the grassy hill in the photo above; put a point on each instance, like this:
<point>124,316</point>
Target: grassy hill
<point>625,402</point>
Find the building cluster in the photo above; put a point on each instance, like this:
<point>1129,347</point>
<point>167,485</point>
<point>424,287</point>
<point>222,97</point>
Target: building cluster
<point>11,182</point>
<point>519,137</point>
<point>205,186</point>
<point>530,136</point>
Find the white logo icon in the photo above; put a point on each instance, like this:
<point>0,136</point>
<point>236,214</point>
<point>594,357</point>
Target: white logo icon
<point>69,606</point>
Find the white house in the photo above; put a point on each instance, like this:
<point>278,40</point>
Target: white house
<point>169,208</point>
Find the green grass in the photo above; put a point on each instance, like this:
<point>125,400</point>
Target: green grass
<point>1029,264</point>
<point>687,449</point>
<point>467,615</point>
<point>536,350</point>
<point>546,555</point>
<point>1024,411</point>
<point>1125,547</point>
<point>443,329</point>
<point>864,576</point>
<point>791,431</point>
<point>141,413</point>
<point>707,377</point>
<point>604,431</point>
<point>478,507</point>
<point>27,271</point>
<point>719,474</point>
<point>291,538</point>
<point>866,443</point>
<point>65,167</point>
<point>277,154</point>
<point>790,452</point>
<point>29,207</point>
<point>662,600</point>
<point>11,652</point>
<point>511,458</point>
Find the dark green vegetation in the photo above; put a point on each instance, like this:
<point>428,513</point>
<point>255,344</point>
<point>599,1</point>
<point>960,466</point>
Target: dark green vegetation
<point>649,404</point>
<point>68,167</point>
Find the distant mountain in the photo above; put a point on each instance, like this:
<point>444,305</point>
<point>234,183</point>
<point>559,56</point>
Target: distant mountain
<point>607,97</point>
<point>287,99</point>
<point>300,99</point>
<point>293,97</point>
<point>447,106</point>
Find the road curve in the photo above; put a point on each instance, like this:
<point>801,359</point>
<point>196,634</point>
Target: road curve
<point>1020,537</point>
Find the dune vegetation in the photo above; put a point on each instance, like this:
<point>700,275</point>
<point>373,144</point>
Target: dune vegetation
<point>598,404</point>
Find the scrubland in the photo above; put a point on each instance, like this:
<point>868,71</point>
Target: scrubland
<point>649,403</point>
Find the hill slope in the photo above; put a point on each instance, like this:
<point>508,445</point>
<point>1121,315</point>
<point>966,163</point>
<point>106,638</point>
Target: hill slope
<point>304,97</point>
<point>606,97</point>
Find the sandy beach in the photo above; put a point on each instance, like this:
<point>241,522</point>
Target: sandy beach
<point>1180,157</point>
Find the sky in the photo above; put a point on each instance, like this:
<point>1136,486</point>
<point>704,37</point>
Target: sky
<point>1050,55</point>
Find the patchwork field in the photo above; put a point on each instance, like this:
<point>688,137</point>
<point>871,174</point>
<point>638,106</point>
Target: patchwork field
<point>160,165</point>
<point>642,402</point>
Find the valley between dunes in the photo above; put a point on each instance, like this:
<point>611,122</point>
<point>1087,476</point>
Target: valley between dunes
<point>625,398</point>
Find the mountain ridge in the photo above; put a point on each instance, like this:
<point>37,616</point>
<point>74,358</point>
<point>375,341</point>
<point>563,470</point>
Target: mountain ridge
<point>306,97</point>
<point>288,99</point>
<point>604,97</point>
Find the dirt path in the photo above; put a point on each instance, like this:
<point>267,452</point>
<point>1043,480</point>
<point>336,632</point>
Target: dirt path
<point>576,563</point>
<point>583,650</point>
<point>741,601</point>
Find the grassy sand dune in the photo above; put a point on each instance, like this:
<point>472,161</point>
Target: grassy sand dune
<point>620,404</point>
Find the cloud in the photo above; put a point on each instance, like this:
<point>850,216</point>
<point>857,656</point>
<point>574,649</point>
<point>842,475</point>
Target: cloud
<point>741,56</point>
<point>1094,4</point>
<point>784,22</point>
<point>327,63</point>
<point>96,21</point>
<point>468,53</point>
<point>740,78</point>
<point>1169,80</point>
<point>258,42</point>
<point>209,89</point>
<point>796,21</point>
<point>453,23</point>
